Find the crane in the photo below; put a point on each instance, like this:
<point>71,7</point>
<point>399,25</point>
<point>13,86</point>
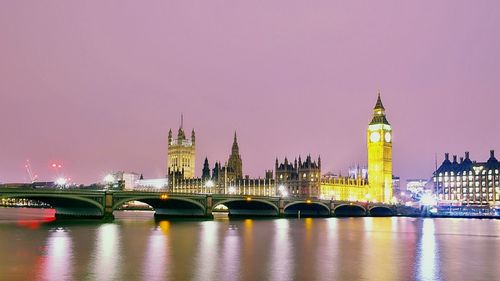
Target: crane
<point>32,176</point>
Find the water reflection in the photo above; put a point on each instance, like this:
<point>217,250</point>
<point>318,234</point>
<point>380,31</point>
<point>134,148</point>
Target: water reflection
<point>156,254</point>
<point>230,265</point>
<point>106,260</point>
<point>282,257</point>
<point>208,246</point>
<point>263,249</point>
<point>428,253</point>
<point>58,262</point>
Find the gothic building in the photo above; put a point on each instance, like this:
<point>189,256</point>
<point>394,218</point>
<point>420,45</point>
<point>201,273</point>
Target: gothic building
<point>232,171</point>
<point>299,179</point>
<point>181,155</point>
<point>378,187</point>
<point>234,163</point>
<point>379,143</point>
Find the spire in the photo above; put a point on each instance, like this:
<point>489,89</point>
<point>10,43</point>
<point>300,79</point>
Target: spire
<point>379,104</point>
<point>180,133</point>
<point>235,149</point>
<point>206,170</point>
<point>379,113</point>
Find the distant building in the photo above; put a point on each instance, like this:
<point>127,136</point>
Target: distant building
<point>415,188</point>
<point>160,183</point>
<point>468,182</point>
<point>126,180</point>
<point>181,155</point>
<point>396,187</point>
<point>300,179</point>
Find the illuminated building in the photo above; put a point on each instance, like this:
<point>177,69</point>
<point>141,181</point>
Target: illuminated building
<point>233,171</point>
<point>468,182</point>
<point>415,188</point>
<point>379,140</point>
<point>300,179</point>
<point>378,188</point>
<point>181,155</point>
<point>396,186</point>
<point>151,183</point>
<point>126,180</point>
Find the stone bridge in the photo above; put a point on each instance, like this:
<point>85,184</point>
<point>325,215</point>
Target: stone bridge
<point>101,204</point>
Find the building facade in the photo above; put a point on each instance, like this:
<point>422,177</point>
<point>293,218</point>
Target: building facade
<point>299,179</point>
<point>181,155</point>
<point>468,182</point>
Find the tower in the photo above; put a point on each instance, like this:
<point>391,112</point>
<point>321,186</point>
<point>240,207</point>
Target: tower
<point>234,164</point>
<point>181,154</point>
<point>205,174</point>
<point>379,142</point>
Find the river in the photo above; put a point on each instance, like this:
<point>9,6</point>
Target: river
<point>136,247</point>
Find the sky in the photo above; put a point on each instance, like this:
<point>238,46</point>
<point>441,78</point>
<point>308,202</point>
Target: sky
<point>96,85</point>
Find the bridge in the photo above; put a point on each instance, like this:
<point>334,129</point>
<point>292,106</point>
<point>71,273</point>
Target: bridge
<point>85,203</point>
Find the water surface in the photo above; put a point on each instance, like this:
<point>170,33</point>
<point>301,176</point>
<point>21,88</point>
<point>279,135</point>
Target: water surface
<point>136,247</point>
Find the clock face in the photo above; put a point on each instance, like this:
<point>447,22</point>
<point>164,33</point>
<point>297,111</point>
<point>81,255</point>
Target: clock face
<point>374,137</point>
<point>388,137</point>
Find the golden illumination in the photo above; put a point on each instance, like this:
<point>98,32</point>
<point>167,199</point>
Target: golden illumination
<point>249,198</point>
<point>378,188</point>
<point>164,196</point>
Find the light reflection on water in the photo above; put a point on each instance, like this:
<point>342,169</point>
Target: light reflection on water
<point>427,265</point>
<point>156,254</point>
<point>106,263</point>
<point>282,252</point>
<point>135,247</point>
<point>59,256</point>
<point>207,255</point>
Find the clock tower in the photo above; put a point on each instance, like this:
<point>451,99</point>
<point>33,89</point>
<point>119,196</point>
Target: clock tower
<point>379,142</point>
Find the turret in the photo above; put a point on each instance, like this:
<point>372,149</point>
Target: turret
<point>170,137</point>
<point>205,175</point>
<point>193,138</point>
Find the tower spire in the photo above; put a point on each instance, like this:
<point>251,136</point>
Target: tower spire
<point>379,112</point>
<point>235,148</point>
<point>182,120</point>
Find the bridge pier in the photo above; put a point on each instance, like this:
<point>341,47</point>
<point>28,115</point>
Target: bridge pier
<point>208,206</point>
<point>281,205</point>
<point>108,206</point>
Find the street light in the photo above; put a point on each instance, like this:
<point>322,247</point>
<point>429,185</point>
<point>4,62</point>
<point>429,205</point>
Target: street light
<point>61,182</point>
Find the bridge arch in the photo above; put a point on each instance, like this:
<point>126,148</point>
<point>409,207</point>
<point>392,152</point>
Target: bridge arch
<point>306,209</point>
<point>248,207</point>
<point>170,206</point>
<point>65,204</point>
<point>380,211</point>
<point>349,210</point>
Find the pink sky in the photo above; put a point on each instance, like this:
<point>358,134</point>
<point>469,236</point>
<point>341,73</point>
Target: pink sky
<point>97,84</point>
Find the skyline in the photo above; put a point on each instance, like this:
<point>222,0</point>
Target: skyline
<point>99,92</point>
